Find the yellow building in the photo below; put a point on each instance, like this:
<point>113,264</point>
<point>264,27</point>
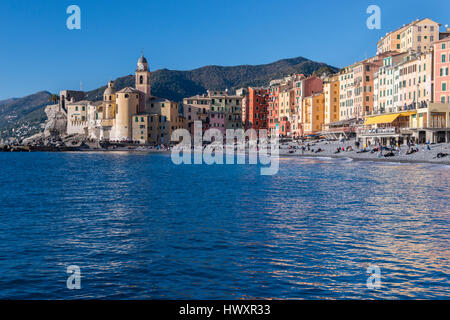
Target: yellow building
<point>109,102</point>
<point>169,116</point>
<point>331,94</point>
<point>313,113</point>
<point>127,105</point>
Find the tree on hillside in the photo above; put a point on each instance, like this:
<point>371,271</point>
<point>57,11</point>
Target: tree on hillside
<point>325,70</point>
<point>54,98</point>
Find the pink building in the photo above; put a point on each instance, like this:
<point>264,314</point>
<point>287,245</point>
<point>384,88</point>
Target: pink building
<point>311,86</point>
<point>441,70</point>
<point>217,121</point>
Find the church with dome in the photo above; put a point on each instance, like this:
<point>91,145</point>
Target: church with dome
<point>126,115</point>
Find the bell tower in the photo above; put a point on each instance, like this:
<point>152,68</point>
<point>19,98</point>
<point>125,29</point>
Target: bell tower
<point>143,77</point>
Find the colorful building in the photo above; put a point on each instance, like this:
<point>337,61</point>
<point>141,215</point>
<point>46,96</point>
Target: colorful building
<point>419,35</point>
<point>273,109</point>
<point>313,113</point>
<point>257,110</point>
<point>441,70</point>
<point>346,96</point>
<point>331,94</point>
<point>391,41</point>
<point>226,109</point>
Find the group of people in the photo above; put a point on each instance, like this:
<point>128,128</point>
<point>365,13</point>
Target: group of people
<point>380,150</point>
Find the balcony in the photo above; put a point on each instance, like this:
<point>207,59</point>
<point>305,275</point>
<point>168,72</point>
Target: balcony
<point>340,130</point>
<point>379,131</point>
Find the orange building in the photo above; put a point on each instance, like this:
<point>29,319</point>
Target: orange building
<point>257,109</point>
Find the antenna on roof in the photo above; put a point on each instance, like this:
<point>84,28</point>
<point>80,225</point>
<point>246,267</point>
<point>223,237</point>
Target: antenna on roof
<point>81,86</point>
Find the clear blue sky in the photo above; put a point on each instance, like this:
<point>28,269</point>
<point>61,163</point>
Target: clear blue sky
<point>38,52</point>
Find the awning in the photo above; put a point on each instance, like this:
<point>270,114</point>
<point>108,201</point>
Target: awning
<point>387,118</point>
<point>407,114</point>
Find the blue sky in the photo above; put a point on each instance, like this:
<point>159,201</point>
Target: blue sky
<point>38,52</point>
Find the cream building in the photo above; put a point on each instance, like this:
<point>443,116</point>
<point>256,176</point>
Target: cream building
<point>418,36</point>
<point>77,116</point>
<point>391,41</point>
<point>347,94</point>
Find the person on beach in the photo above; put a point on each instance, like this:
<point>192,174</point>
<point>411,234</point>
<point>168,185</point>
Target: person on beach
<point>441,155</point>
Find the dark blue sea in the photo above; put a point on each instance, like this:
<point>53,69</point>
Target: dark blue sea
<point>140,227</point>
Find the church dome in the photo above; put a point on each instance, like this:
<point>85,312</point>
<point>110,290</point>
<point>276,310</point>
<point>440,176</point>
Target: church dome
<point>111,89</point>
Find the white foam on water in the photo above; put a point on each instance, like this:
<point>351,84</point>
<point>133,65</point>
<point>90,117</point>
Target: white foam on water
<point>345,159</point>
<point>323,158</point>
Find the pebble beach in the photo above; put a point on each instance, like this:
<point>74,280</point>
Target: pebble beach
<point>329,148</point>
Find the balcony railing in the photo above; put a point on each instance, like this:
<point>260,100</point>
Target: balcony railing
<point>379,131</point>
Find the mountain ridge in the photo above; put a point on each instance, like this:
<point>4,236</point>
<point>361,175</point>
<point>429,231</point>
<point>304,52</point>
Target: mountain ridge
<point>176,85</point>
